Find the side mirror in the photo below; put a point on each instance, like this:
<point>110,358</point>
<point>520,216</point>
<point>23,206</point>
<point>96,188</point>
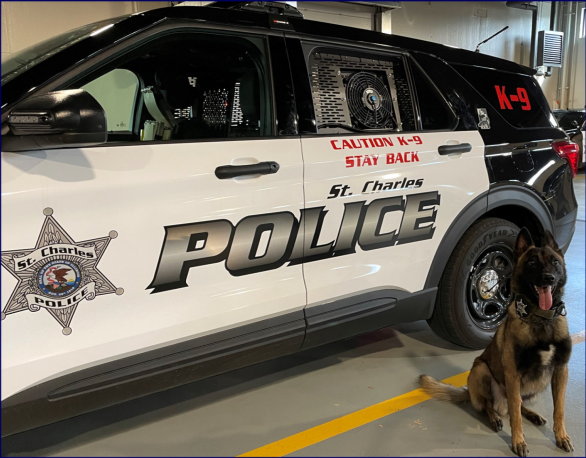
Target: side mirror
<point>61,119</point>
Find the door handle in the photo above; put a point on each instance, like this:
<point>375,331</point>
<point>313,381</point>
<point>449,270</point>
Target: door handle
<point>455,149</point>
<point>231,171</point>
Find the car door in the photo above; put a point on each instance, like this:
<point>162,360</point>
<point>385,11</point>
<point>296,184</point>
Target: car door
<point>178,228</point>
<point>383,183</point>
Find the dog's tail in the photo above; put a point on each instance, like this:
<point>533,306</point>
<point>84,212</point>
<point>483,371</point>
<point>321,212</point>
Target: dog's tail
<point>443,391</point>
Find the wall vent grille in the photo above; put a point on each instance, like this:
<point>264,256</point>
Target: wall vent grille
<point>549,49</point>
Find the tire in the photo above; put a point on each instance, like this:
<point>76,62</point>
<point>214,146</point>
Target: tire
<point>480,266</point>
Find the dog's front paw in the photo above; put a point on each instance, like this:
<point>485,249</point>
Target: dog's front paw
<point>520,448</point>
<point>564,443</point>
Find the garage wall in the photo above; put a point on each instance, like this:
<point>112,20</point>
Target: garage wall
<point>578,98</point>
<point>340,13</point>
<point>461,24</point>
<point>565,88</point>
<point>27,23</point>
<point>350,15</point>
<point>465,24</point>
<point>575,97</point>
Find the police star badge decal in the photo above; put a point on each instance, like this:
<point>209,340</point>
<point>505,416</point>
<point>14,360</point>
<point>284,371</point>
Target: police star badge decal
<point>57,274</point>
<point>521,308</point>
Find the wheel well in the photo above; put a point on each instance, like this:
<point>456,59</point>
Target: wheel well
<point>474,212</point>
<point>521,217</point>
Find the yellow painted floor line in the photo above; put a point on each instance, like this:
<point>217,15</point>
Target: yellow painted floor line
<point>347,422</point>
<point>353,420</point>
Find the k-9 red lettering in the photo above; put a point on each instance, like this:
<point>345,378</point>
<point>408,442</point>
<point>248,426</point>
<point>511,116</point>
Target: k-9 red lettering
<point>505,101</point>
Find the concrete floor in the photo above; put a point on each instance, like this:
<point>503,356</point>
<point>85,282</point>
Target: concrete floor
<point>237,412</point>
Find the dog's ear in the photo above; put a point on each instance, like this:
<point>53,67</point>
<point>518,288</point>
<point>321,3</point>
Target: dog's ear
<point>524,242</point>
<point>550,241</point>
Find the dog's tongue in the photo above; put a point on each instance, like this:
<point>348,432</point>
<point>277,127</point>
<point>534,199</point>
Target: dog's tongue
<point>545,299</point>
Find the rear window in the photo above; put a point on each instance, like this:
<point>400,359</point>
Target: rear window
<point>518,98</point>
<point>435,114</point>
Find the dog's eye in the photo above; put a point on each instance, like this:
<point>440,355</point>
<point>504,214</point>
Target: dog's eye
<point>532,262</point>
<point>556,262</point>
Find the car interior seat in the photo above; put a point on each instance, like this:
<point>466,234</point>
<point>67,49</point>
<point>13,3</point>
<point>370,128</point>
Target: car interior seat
<point>179,91</point>
<point>157,105</point>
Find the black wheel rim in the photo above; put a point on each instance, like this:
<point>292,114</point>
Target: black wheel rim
<point>489,289</point>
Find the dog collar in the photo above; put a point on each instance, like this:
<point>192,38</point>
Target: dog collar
<point>524,308</point>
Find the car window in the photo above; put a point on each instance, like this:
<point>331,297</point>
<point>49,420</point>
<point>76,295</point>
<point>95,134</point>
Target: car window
<point>518,98</point>
<point>185,86</point>
<point>117,92</point>
<point>435,114</point>
<point>359,92</point>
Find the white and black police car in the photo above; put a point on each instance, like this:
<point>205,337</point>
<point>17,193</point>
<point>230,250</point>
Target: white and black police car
<point>188,191</point>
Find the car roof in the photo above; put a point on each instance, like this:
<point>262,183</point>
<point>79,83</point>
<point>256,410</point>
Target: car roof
<point>257,19</point>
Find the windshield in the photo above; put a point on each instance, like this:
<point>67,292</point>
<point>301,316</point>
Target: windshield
<point>29,57</point>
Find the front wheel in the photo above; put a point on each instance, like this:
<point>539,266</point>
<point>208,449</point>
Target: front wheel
<point>474,291</point>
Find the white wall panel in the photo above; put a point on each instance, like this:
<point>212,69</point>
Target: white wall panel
<point>350,15</point>
<point>4,38</point>
<point>578,83</point>
<point>565,88</point>
<point>462,24</point>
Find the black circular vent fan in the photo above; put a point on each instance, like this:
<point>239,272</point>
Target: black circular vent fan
<point>369,100</point>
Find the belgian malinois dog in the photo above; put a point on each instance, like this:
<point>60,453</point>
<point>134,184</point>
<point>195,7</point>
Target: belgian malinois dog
<point>530,349</point>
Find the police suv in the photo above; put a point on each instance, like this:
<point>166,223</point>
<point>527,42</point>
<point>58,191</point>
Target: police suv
<point>191,190</point>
